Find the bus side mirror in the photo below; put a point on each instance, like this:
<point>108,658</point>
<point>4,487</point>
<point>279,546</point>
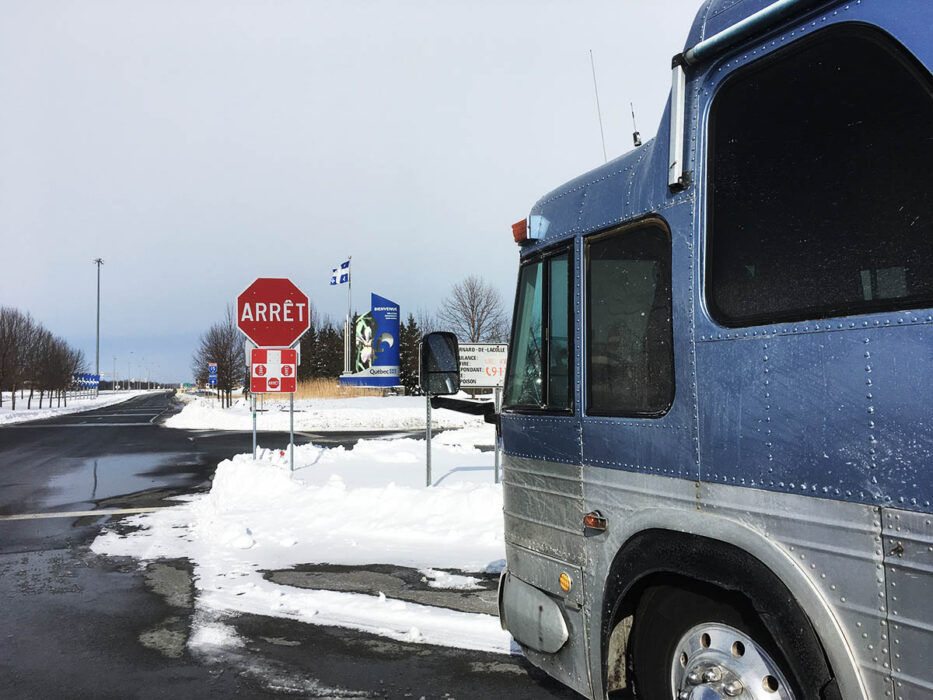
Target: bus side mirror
<point>439,366</point>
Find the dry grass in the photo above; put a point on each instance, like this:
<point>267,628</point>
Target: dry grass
<point>331,389</point>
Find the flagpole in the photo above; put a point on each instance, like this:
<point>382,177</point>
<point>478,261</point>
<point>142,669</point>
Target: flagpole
<point>349,362</point>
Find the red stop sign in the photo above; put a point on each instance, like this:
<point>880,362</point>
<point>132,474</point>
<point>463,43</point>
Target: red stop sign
<point>273,312</point>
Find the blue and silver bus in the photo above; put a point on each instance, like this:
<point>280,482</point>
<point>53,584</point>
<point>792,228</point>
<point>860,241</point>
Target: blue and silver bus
<point>718,414</point>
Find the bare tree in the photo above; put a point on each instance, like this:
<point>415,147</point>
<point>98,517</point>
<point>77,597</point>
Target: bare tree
<point>474,311</point>
<point>16,332</point>
<point>59,364</point>
<point>426,321</point>
<point>36,351</point>
<point>223,344</point>
<point>31,357</point>
<point>63,362</point>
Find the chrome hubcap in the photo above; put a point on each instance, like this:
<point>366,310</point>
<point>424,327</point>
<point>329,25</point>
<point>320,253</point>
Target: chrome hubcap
<point>714,662</point>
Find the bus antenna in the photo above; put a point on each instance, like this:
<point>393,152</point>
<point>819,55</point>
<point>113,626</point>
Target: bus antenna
<point>636,137</point>
<point>599,113</point>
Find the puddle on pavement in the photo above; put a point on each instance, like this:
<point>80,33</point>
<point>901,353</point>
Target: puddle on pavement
<point>169,638</point>
<point>99,478</point>
<point>173,584</point>
<point>398,582</point>
<point>172,580</point>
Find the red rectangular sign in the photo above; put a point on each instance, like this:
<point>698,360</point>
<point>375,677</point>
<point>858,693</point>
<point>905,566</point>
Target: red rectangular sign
<point>273,371</point>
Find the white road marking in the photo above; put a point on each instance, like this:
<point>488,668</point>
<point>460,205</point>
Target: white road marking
<point>78,514</point>
<point>120,415</point>
<point>74,425</point>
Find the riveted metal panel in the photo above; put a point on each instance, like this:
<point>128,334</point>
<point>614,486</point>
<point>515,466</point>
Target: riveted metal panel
<point>828,553</point>
<point>544,572</point>
<point>837,546</point>
<point>827,408</point>
<point>551,438</point>
<point>543,507</point>
<point>569,664</point>
<point>908,546</point>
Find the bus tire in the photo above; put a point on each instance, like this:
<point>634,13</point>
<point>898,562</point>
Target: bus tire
<point>702,643</point>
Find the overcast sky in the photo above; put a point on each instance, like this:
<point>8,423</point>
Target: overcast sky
<point>198,145</point>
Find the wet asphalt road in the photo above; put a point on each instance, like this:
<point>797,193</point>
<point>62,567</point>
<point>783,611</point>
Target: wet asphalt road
<point>76,625</point>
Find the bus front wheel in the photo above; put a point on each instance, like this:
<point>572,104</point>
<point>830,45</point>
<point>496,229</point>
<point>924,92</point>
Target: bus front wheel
<point>689,645</point>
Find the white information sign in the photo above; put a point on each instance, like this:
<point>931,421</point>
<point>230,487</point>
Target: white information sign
<point>482,365</point>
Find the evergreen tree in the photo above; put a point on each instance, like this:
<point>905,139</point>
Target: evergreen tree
<point>330,351</point>
<point>409,342</point>
<point>309,349</point>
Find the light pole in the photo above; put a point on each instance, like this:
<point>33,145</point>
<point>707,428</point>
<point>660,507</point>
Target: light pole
<point>113,379</point>
<point>98,262</point>
<point>129,371</point>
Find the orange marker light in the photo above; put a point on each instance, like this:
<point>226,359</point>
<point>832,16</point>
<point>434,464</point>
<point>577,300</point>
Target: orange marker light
<point>520,231</point>
<point>595,521</point>
<point>564,582</point>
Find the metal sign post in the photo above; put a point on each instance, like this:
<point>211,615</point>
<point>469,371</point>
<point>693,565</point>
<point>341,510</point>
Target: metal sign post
<point>275,370</point>
<point>427,434</point>
<point>253,398</point>
<point>291,431</point>
<point>212,378</point>
<point>498,400</point>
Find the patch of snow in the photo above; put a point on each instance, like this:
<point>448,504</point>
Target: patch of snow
<point>366,505</point>
<point>75,405</point>
<point>447,580</point>
<point>361,413</point>
<point>213,634</point>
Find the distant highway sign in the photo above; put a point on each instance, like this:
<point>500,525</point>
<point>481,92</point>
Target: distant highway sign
<point>482,365</point>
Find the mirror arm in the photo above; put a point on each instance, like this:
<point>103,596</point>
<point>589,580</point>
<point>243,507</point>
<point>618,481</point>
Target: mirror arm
<point>487,409</point>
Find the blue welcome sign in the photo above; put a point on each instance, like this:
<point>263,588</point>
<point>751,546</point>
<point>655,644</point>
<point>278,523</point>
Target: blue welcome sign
<point>376,352</point>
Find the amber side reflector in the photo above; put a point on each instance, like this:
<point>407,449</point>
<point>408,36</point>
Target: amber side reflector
<point>564,582</point>
<point>520,231</point>
<point>594,520</point>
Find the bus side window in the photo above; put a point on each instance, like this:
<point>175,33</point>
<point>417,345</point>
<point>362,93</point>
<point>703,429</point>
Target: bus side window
<point>523,385</point>
<point>540,363</point>
<point>820,186</point>
<point>630,360</point>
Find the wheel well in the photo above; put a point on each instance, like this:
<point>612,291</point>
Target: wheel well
<point>663,557</point>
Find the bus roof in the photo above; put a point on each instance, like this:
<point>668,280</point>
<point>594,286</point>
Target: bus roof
<point>635,183</point>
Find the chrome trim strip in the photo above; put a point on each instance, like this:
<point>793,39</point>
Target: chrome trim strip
<point>675,168</point>
<point>548,474</point>
<point>753,24</point>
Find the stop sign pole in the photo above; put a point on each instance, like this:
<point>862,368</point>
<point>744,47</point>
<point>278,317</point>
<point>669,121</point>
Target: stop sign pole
<point>273,313</point>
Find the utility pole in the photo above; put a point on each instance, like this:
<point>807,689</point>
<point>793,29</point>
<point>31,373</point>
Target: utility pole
<point>113,383</point>
<point>98,262</point>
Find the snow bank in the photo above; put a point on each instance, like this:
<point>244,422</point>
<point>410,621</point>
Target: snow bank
<point>368,505</point>
<point>361,413</point>
<point>75,405</point>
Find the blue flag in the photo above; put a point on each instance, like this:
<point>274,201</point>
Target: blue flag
<point>340,275</point>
